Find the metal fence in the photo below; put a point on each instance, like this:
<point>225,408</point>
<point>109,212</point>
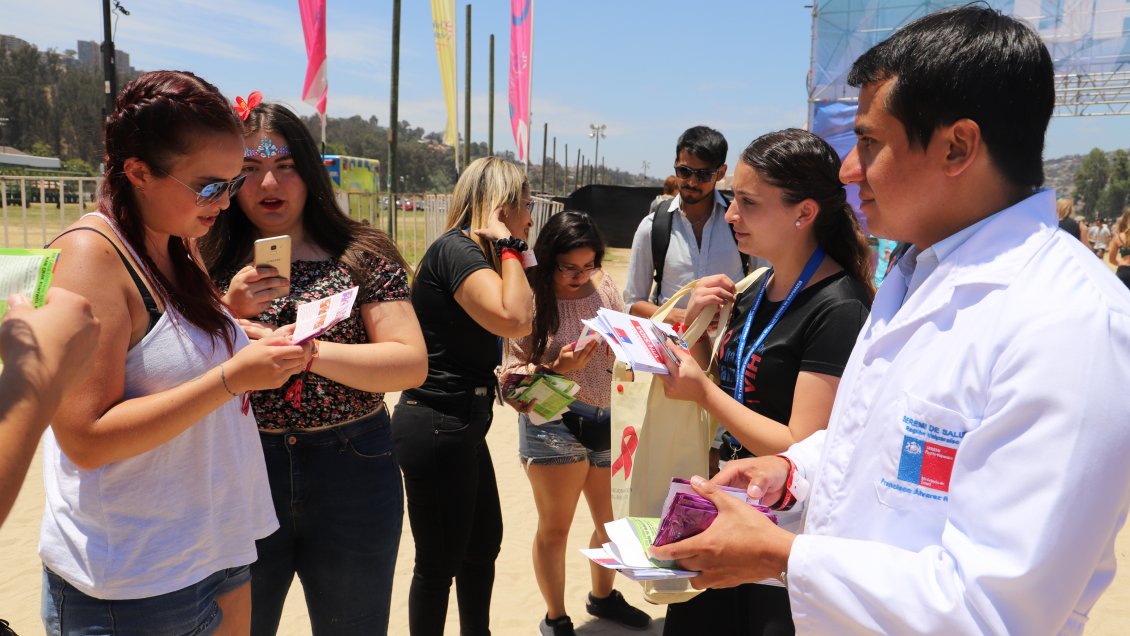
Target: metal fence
<point>35,209</point>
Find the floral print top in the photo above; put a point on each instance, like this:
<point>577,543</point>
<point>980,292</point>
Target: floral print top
<point>324,402</point>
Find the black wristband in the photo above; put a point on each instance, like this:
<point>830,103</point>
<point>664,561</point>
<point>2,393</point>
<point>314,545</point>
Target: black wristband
<point>511,242</point>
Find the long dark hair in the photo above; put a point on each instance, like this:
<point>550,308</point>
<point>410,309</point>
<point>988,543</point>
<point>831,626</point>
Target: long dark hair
<point>564,232</point>
<point>804,166</point>
<point>228,245</point>
<point>157,117</point>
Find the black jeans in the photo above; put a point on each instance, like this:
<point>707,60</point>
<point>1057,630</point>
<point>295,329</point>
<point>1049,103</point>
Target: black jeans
<point>745,610</point>
<point>338,498</point>
<point>453,508</point>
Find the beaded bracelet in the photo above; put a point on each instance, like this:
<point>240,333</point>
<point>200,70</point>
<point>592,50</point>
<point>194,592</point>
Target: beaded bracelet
<point>224,380</point>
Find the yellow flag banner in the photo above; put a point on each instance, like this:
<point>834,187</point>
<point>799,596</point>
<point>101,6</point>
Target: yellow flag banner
<point>443,22</point>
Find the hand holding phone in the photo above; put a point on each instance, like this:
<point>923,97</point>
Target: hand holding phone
<point>274,252</point>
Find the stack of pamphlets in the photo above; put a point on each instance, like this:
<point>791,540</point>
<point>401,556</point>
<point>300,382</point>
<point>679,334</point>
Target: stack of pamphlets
<point>550,395</point>
<point>685,513</point>
<point>26,272</point>
<point>642,344</point>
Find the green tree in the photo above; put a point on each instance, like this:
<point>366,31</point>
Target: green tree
<point>1113,199</point>
<point>1090,179</point>
<point>78,165</point>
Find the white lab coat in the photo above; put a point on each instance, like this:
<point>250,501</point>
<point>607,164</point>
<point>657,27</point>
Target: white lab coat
<point>1010,365</point>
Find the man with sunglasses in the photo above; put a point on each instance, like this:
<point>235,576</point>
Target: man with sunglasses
<point>687,237</point>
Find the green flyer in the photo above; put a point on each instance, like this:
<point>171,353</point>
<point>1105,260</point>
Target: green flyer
<point>26,272</point>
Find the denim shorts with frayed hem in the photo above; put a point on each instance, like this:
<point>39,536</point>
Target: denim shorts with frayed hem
<point>552,443</point>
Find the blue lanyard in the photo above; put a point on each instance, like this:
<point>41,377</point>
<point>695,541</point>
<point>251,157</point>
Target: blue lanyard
<point>805,275</point>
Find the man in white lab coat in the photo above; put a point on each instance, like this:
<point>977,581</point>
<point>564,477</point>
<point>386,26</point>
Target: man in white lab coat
<point>974,472</point>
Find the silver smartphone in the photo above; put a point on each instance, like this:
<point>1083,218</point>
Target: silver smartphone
<point>275,252</point>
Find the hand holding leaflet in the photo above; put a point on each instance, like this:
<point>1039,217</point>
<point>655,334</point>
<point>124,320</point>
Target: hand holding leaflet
<point>548,395</point>
<point>26,272</point>
<point>316,317</point>
<point>642,344</point>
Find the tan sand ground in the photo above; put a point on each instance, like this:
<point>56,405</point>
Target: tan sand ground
<point>517,605</point>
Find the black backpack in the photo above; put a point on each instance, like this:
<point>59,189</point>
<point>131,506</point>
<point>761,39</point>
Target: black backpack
<point>661,240</point>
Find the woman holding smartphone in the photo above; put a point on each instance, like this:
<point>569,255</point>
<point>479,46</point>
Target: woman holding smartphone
<point>566,457</point>
<point>469,293</point>
<point>156,488</point>
<point>787,341</point>
<point>326,437</point>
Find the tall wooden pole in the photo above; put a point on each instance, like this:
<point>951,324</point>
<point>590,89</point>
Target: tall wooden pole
<point>554,188</point>
<point>544,147</point>
<point>578,169</point>
<point>393,118</point>
<point>467,98</point>
<point>565,181</point>
<point>490,102</point>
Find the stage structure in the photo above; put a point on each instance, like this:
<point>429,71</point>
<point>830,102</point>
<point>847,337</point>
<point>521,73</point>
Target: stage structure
<point>1089,42</point>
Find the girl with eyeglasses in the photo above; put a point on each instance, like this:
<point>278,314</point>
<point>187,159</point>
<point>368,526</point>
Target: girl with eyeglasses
<point>326,434</point>
<point>469,292</point>
<point>787,341</point>
<point>570,456</point>
<point>155,482</point>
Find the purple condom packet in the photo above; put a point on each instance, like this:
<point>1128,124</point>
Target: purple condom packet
<point>692,514</point>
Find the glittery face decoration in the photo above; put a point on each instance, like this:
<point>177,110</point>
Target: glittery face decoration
<point>266,150</point>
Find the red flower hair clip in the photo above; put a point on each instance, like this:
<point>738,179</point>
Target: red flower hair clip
<point>243,106</point>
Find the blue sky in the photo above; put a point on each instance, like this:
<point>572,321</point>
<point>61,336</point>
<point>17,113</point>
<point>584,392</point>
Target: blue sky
<point>647,69</point>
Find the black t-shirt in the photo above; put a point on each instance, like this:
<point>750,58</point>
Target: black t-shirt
<point>1069,225</point>
<point>816,334</point>
<point>461,353</point>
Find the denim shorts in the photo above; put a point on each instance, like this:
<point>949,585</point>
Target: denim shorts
<point>552,443</point>
<point>191,610</point>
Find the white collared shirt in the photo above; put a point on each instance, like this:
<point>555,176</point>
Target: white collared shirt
<point>917,265</point>
<point>973,475</point>
<point>686,260</point>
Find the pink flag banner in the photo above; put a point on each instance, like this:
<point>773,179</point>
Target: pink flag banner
<point>521,59</point>
<point>316,87</point>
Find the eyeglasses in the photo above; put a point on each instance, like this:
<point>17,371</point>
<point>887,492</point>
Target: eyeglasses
<point>568,271</point>
<point>212,192</point>
<point>700,174</point>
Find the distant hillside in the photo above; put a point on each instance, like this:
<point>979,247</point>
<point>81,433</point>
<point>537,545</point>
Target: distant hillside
<point>1059,173</point>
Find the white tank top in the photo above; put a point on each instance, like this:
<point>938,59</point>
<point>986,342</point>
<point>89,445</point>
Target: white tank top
<point>170,517</point>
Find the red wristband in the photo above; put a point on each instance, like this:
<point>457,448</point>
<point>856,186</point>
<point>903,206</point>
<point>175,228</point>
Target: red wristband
<point>510,253</point>
<point>788,499</point>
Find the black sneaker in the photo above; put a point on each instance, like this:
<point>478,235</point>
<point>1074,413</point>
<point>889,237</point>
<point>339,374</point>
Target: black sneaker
<point>615,608</point>
<point>560,626</point>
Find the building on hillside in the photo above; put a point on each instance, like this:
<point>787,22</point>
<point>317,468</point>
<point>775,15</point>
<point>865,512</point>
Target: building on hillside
<point>89,54</point>
<point>12,43</point>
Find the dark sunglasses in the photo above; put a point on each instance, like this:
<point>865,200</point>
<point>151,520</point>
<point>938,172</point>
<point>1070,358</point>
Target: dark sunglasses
<point>212,192</point>
<point>701,174</point>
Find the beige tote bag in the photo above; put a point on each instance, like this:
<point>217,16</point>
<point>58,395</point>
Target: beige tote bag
<point>655,438</point>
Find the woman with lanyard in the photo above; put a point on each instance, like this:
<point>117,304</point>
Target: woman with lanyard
<point>470,291</point>
<point>787,340</point>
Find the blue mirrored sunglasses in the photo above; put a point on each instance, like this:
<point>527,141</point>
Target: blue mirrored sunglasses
<point>212,192</point>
